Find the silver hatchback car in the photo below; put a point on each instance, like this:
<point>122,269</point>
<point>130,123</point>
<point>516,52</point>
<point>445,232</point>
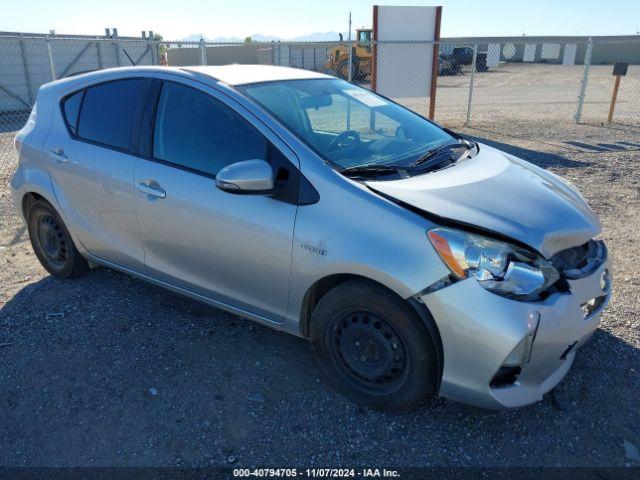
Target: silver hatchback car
<point>415,260</point>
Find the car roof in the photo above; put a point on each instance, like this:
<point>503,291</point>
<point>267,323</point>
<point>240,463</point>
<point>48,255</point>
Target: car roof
<point>229,74</point>
<point>245,74</point>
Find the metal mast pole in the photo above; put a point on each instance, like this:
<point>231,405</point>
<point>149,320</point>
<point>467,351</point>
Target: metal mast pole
<point>350,49</point>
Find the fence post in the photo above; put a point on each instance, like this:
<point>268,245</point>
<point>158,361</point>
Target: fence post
<point>27,77</point>
<point>473,76</point>
<point>435,66</point>
<point>152,50</point>
<point>51,64</point>
<point>116,46</point>
<point>585,80</point>
<point>99,54</point>
<point>203,52</point>
<point>153,46</point>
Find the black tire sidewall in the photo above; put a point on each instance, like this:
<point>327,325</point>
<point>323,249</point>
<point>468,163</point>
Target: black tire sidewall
<point>341,65</point>
<point>74,265</point>
<point>421,378</point>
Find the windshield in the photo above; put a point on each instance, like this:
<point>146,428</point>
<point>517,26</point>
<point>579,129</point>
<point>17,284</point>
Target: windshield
<point>348,125</point>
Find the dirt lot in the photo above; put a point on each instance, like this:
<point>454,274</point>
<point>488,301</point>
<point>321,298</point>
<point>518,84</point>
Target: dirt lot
<point>107,370</point>
<point>517,91</point>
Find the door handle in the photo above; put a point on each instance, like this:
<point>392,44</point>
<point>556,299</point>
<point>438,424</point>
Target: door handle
<point>154,191</point>
<point>58,155</point>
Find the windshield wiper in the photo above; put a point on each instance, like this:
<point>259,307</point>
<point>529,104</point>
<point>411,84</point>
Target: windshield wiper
<point>369,170</point>
<point>424,159</point>
<point>429,159</point>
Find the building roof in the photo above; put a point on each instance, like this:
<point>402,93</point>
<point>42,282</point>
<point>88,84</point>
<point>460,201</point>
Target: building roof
<point>243,74</point>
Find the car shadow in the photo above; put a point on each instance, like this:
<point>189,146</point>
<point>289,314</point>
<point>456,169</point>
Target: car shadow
<point>19,236</point>
<point>543,159</point>
<point>127,373</point>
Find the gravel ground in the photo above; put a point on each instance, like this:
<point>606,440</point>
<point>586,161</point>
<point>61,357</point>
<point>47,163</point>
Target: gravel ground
<point>536,92</point>
<point>107,370</point>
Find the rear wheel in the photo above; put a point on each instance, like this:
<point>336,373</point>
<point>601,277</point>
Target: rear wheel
<point>373,347</point>
<point>52,242</point>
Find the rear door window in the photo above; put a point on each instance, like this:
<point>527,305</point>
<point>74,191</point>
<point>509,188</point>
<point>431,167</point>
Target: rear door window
<point>108,111</point>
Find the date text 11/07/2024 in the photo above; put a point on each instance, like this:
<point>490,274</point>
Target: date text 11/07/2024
<point>316,472</point>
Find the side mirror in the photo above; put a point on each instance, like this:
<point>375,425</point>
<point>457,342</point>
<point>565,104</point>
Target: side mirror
<point>249,176</point>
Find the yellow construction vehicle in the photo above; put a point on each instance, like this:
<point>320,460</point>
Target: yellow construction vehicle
<point>338,57</point>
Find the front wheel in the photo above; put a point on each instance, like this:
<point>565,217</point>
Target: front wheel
<point>52,242</point>
<point>343,70</point>
<point>373,347</point>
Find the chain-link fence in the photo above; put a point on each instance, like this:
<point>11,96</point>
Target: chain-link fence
<point>27,62</point>
<point>503,83</point>
<point>483,84</point>
<point>480,83</point>
<point>498,84</point>
<point>612,62</point>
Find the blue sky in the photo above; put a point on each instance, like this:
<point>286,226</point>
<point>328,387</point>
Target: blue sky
<point>176,19</point>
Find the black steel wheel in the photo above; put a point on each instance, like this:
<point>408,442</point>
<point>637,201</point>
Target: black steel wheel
<point>52,242</point>
<point>373,347</point>
<point>368,350</point>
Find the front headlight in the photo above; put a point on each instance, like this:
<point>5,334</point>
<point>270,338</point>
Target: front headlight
<point>500,267</point>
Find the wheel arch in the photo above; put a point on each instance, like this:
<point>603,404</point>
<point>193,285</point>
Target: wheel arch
<point>28,199</point>
<point>322,286</point>
<point>33,193</point>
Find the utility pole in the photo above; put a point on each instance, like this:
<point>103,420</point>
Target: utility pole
<point>349,78</point>
<point>350,48</point>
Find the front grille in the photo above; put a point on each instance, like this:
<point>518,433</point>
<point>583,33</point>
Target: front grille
<point>580,261</point>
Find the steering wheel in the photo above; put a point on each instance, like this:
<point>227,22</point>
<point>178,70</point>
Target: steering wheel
<point>346,142</point>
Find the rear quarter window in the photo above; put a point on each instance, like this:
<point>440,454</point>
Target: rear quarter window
<point>108,111</point>
<point>71,109</point>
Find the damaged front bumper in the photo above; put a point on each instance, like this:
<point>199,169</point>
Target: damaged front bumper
<point>480,332</point>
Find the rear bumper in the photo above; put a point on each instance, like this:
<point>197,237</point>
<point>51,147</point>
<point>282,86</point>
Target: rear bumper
<point>17,192</point>
<point>480,329</point>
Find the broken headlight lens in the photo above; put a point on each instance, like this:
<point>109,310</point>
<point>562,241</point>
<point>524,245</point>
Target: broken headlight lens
<point>500,267</point>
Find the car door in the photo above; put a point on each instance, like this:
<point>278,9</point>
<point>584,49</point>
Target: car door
<point>91,163</point>
<point>235,249</point>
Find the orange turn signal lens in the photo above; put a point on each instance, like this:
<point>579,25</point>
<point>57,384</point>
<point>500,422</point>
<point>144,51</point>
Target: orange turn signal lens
<point>442,247</point>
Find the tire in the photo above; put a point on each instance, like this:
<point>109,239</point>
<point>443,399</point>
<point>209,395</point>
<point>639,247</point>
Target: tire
<point>52,242</point>
<point>342,71</point>
<point>373,347</point>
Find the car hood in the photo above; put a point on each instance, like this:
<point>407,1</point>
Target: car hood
<point>501,193</point>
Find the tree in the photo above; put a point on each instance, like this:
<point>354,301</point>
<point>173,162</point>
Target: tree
<point>247,40</point>
<point>162,48</point>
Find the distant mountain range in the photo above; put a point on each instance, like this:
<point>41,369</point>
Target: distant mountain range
<point>257,37</point>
